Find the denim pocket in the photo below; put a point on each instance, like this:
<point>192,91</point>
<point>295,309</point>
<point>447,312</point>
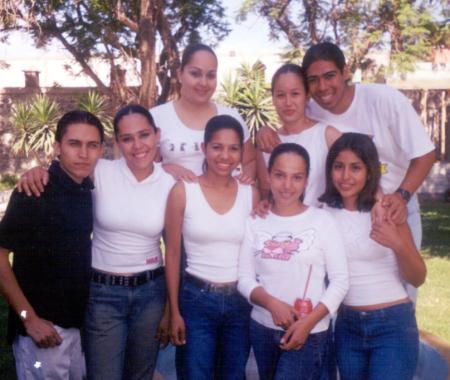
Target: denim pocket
<point>401,316</point>
<point>190,293</point>
<point>99,293</point>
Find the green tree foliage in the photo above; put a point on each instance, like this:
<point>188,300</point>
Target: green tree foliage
<point>249,93</point>
<point>408,29</point>
<point>98,105</point>
<point>35,125</point>
<point>34,122</point>
<point>120,32</point>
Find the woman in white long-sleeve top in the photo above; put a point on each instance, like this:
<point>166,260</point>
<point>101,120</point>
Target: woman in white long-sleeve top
<point>376,332</point>
<point>284,260</point>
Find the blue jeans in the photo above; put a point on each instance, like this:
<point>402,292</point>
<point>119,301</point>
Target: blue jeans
<point>430,362</point>
<point>275,363</point>
<point>214,321</point>
<point>121,324</point>
<point>377,345</point>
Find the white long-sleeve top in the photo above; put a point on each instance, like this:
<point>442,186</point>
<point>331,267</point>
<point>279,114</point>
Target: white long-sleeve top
<point>373,269</point>
<point>277,253</point>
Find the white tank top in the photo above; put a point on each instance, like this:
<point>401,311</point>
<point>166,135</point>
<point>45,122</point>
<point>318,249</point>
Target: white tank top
<point>212,240</point>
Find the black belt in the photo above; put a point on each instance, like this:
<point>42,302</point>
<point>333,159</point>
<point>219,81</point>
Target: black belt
<point>227,289</point>
<point>131,281</point>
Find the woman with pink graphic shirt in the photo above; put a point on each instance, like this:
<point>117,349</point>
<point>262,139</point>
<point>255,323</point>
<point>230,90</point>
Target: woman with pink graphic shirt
<point>283,263</point>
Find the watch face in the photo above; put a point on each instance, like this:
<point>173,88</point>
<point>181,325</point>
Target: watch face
<point>405,194</point>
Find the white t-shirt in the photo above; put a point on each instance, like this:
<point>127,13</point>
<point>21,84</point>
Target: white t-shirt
<point>212,240</point>
<point>373,268</point>
<point>387,115</point>
<point>128,217</point>
<point>180,144</point>
<point>277,254</point>
<point>314,141</point>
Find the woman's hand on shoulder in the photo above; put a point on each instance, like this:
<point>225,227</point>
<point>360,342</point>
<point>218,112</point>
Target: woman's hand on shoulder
<point>33,181</point>
<point>262,208</point>
<point>180,173</point>
<point>267,139</point>
<point>245,179</point>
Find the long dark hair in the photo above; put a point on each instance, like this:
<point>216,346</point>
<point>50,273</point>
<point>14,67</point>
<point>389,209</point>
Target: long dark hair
<point>364,148</point>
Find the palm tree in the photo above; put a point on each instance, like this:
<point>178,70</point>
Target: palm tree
<point>45,115</point>
<point>23,122</point>
<point>249,93</point>
<point>98,105</point>
<point>35,122</point>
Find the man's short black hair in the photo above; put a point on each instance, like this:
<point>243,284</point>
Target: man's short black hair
<point>76,117</point>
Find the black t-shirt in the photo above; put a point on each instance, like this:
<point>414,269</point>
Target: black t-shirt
<point>50,236</point>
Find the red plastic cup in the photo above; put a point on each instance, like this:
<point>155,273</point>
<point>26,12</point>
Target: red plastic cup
<point>303,307</point>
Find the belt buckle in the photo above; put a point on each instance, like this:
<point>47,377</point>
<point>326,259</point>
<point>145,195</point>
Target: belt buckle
<point>229,290</point>
<point>224,289</point>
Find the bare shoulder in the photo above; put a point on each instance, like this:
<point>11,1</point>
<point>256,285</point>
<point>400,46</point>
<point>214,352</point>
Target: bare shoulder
<point>178,190</point>
<point>331,135</point>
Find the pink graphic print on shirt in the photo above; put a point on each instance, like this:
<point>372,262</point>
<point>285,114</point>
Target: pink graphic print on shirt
<point>285,245</point>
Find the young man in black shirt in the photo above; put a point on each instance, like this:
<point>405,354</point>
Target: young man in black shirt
<point>47,285</point>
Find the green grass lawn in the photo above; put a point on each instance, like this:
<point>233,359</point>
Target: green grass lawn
<point>433,308</point>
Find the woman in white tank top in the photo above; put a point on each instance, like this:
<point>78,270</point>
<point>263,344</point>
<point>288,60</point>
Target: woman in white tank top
<point>182,121</point>
<point>182,124</point>
<point>289,96</point>
<point>376,333</point>
<point>211,214</point>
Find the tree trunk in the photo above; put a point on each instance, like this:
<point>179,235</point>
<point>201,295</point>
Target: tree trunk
<point>147,39</point>
<point>442,125</point>
<point>424,109</point>
<point>169,61</point>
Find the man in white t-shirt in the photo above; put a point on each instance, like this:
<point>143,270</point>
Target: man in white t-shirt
<point>406,152</point>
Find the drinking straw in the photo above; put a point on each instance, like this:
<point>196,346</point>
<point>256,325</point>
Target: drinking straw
<point>307,282</point>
